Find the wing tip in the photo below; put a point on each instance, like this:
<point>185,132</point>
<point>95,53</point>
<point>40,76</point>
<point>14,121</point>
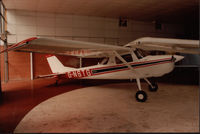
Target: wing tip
<point>21,43</point>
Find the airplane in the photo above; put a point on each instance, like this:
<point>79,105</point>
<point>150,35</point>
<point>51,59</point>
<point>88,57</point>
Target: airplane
<point>118,62</point>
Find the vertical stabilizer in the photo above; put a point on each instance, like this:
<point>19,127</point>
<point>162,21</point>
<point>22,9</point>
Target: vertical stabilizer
<point>56,66</point>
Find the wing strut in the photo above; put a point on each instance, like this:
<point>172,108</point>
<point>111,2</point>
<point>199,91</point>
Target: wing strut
<point>124,61</point>
<point>134,57</point>
<point>141,96</point>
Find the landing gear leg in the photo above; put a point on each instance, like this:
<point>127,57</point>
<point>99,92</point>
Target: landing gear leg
<point>141,96</point>
<point>153,87</point>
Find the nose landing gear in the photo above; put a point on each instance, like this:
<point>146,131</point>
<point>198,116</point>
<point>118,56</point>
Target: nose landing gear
<point>141,95</point>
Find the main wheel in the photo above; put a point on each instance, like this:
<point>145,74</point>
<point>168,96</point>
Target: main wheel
<point>153,88</point>
<point>141,96</point>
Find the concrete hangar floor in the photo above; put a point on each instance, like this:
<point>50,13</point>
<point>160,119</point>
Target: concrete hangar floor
<point>40,107</point>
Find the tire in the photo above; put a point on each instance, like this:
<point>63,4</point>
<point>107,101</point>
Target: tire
<point>154,88</point>
<point>141,96</point>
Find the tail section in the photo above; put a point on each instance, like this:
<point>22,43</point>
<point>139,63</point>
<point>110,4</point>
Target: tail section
<point>56,66</point>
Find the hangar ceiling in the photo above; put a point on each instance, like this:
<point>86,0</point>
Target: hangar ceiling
<point>144,10</point>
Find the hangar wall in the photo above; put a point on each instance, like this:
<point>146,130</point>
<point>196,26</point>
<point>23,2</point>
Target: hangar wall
<point>25,24</point>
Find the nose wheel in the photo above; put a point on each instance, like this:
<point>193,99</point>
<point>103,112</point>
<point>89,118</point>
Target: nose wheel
<point>141,96</point>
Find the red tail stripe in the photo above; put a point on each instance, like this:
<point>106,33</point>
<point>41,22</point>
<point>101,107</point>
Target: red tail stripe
<point>49,55</point>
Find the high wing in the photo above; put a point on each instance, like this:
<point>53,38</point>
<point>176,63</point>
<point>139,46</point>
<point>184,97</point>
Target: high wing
<point>98,50</point>
<point>166,44</point>
<point>67,47</point>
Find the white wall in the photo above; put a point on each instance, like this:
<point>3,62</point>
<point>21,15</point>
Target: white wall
<point>24,24</point>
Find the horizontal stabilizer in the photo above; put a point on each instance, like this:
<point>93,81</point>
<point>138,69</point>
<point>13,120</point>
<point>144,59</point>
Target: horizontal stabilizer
<point>49,76</point>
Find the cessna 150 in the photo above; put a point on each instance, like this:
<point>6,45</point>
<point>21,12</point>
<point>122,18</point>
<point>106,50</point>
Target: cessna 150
<point>135,67</point>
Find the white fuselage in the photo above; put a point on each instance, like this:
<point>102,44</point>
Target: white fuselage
<point>149,66</point>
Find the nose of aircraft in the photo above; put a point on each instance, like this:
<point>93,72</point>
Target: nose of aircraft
<point>178,58</point>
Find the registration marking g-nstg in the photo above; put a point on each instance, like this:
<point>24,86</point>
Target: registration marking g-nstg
<point>79,73</point>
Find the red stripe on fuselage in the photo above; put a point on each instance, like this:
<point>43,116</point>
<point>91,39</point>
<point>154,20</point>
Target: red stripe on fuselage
<point>111,71</point>
<point>152,64</point>
<point>133,63</point>
<point>134,67</point>
<point>162,61</point>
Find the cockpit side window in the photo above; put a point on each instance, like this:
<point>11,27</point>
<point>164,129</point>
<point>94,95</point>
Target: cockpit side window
<point>127,58</point>
<point>141,53</point>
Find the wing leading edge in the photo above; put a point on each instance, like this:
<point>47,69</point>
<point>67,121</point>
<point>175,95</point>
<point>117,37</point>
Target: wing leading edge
<point>66,47</point>
<point>166,44</point>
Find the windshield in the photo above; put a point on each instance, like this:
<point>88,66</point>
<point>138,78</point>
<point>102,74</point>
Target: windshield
<point>142,53</point>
